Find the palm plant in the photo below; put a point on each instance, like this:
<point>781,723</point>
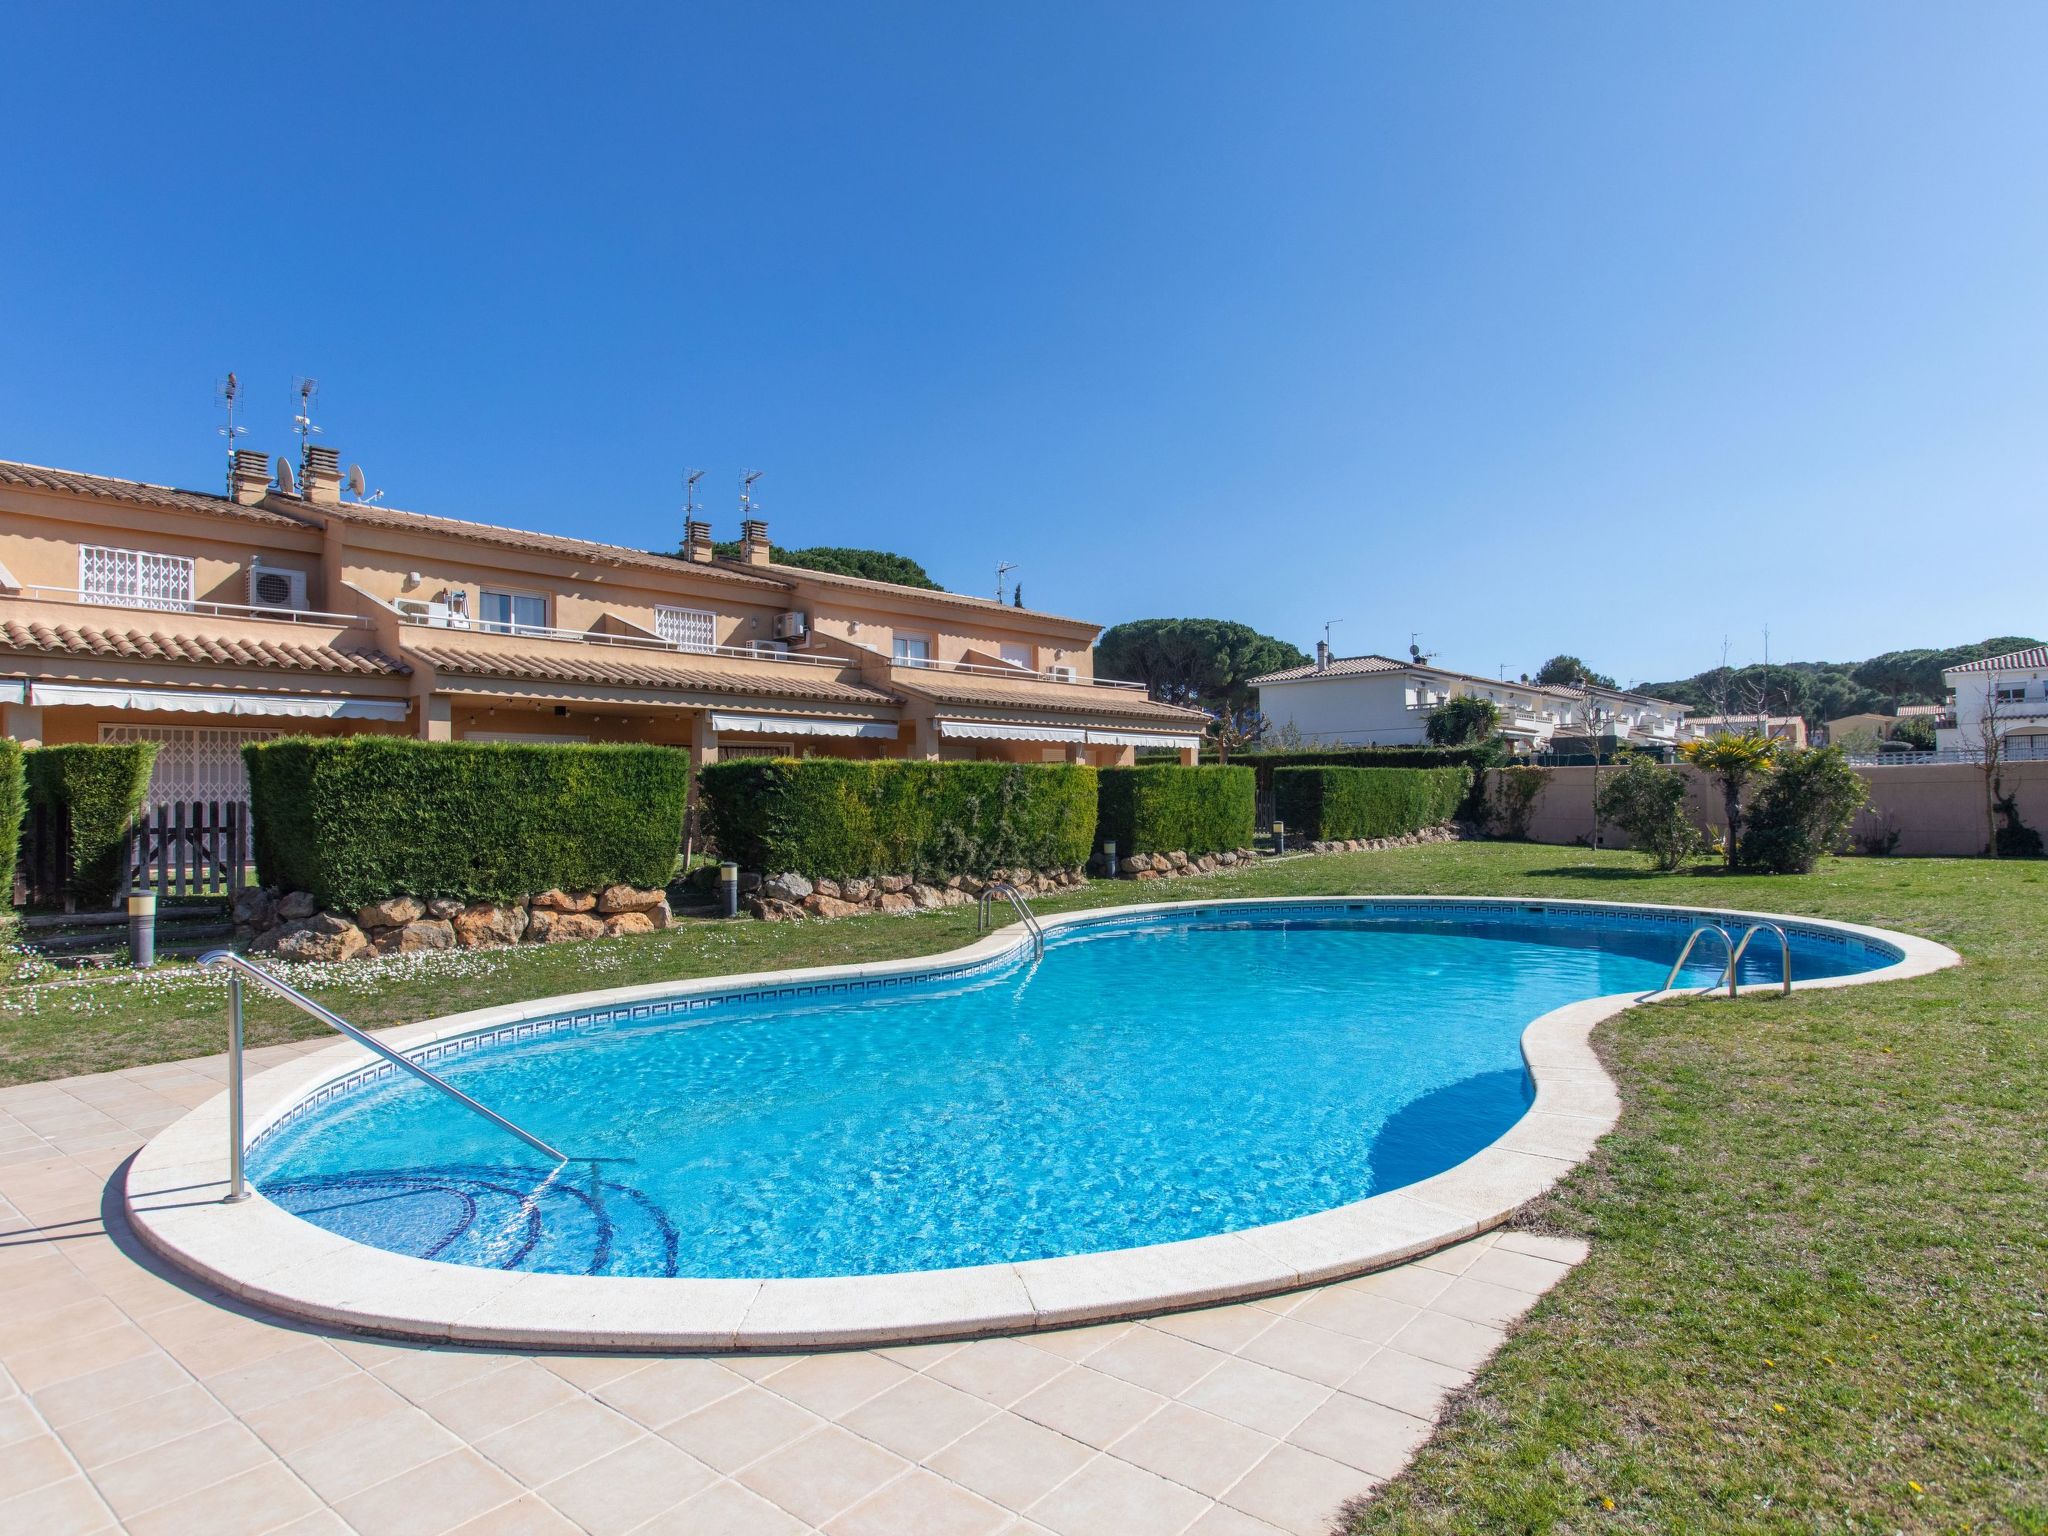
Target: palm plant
<point>1734,761</point>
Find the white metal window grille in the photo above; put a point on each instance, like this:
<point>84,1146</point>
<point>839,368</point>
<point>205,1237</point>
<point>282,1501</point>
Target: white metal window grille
<point>134,578</point>
<point>193,762</point>
<point>688,629</point>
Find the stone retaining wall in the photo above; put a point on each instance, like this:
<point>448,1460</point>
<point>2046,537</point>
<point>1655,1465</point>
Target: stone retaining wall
<point>780,898</point>
<point>1450,832</point>
<point>1170,866</point>
<point>290,923</point>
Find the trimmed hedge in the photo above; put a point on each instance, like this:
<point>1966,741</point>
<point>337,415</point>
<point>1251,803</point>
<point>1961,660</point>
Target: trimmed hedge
<point>13,802</point>
<point>1168,807</point>
<point>101,789</point>
<point>1264,764</point>
<point>1328,803</point>
<point>842,819</point>
<point>357,818</point>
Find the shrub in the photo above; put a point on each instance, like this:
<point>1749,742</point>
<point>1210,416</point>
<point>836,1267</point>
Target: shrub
<point>1803,810</point>
<point>1647,801</point>
<point>1167,807</point>
<point>13,801</point>
<point>100,788</point>
<point>841,819</point>
<point>2014,838</point>
<point>1463,720</point>
<point>1515,793</point>
<point>1326,803</point>
<point>355,819</point>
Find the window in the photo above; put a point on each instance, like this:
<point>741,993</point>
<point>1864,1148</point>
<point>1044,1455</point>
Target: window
<point>1018,656</point>
<point>2011,695</point>
<point>134,578</point>
<point>512,613</point>
<point>687,628</point>
<point>913,651</point>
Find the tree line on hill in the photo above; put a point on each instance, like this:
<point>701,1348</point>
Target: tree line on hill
<point>1827,690</point>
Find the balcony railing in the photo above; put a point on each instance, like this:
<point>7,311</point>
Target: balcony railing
<point>158,605</point>
<point>463,625</point>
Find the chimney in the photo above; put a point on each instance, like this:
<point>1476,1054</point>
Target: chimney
<point>1322,655</point>
<point>249,476</point>
<point>754,541</point>
<point>320,475</point>
<point>697,541</point>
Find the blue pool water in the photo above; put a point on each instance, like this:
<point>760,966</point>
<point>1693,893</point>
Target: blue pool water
<point>1151,1079</point>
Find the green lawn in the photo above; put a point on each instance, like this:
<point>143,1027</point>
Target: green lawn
<point>1820,1235</point>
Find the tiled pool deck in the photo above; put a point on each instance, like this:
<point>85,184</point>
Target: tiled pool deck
<point>132,1398</point>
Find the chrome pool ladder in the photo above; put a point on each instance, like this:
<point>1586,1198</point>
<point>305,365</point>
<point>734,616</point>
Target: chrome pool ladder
<point>237,969</point>
<point>983,911</point>
<point>1734,949</point>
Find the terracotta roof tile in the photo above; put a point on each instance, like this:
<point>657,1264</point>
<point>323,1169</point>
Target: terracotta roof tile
<point>173,647</point>
<point>1035,695</point>
<point>2031,659</point>
<point>987,605</point>
<point>1340,666</point>
<point>625,667</point>
<point>138,492</point>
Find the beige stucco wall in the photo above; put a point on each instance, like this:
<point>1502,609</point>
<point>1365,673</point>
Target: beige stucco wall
<point>1938,808</point>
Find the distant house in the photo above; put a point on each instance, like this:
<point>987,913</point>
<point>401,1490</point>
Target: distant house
<point>1380,701</point>
<point>1883,727</point>
<point>2002,695</point>
<point>1790,729</point>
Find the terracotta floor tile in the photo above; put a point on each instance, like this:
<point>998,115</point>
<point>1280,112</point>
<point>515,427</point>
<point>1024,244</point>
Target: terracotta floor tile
<point>998,1371</point>
<point>1448,1340</point>
<point>822,1474</point>
<point>105,1391</point>
<point>494,1402</point>
<point>33,1463</point>
<point>832,1384</point>
<point>1407,1382</point>
<point>430,1498</point>
<point>1256,1396</point>
<point>554,1443</point>
<point>1370,1436</point>
<point>1160,1362</point>
<point>1502,1265</point>
<point>742,1428</point>
<point>170,1471</point>
<point>1298,1490</point>
<point>66,1508</point>
<point>1086,1405</point>
<point>359,1456</point>
<point>658,1394</point>
<point>1481,1301</point>
<point>1012,1461</point>
<point>260,1499</point>
<point>1314,1354</point>
<point>1108,1495</point>
<point>529,1515</point>
<point>917,1417</point>
<point>724,1509</point>
<point>920,1504</point>
<point>1357,1314</point>
<point>629,1486</point>
<point>1195,1449</point>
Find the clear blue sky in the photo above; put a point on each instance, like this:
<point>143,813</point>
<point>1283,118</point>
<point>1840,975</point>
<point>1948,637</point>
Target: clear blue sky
<point>1602,328</point>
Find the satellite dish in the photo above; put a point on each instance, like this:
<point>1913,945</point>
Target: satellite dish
<point>284,476</point>
<point>355,481</point>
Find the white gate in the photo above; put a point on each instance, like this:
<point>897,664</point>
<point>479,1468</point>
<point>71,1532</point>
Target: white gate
<point>193,762</point>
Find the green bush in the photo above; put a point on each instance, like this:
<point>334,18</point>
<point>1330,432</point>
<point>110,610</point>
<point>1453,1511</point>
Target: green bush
<point>101,789</point>
<point>1165,808</point>
<point>13,802</point>
<point>1515,793</point>
<point>1328,803</point>
<point>1803,810</point>
<point>355,819</point>
<point>840,819</point>
<point>1647,801</point>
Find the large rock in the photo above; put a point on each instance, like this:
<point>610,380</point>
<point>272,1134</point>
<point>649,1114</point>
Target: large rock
<point>256,907</point>
<point>421,933</point>
<point>564,901</point>
<point>391,912</point>
<point>296,905</point>
<point>789,886</point>
<point>896,901</point>
<point>488,926</point>
<point>628,898</point>
<point>659,915</point>
<point>323,937</point>
<point>894,885</point>
<point>857,889</point>
<point>821,905</point>
<point>545,925</point>
<point>826,887</point>
<point>1207,863</point>
<point>620,923</point>
<point>444,908</point>
<point>926,897</point>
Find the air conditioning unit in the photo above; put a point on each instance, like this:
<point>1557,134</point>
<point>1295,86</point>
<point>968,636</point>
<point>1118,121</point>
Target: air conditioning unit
<point>1062,674</point>
<point>768,647</point>
<point>273,587</point>
<point>792,625</point>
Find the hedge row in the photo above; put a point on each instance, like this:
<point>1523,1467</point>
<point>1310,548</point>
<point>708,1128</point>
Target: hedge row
<point>843,819</point>
<point>1321,803</point>
<point>101,789</point>
<point>1168,807</point>
<point>13,802</point>
<point>355,819</point>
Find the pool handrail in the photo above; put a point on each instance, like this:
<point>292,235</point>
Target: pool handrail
<point>1685,954</point>
<point>1784,955</point>
<point>238,967</point>
<point>1003,888</point>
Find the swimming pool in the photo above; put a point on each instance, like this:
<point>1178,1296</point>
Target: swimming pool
<point>1177,1104</point>
<point>1151,1079</point>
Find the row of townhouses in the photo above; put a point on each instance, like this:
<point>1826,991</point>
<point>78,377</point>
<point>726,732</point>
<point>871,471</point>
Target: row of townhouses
<point>202,621</point>
<point>1382,701</point>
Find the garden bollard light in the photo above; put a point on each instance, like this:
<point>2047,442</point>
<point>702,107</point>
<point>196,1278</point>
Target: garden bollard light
<point>1279,837</point>
<point>142,929</point>
<point>1109,860</point>
<point>729,888</point>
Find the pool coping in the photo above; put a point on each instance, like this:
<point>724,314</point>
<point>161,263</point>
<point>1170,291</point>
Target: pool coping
<point>265,1256</point>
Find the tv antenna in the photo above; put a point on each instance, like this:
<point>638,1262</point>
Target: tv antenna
<point>1003,569</point>
<point>228,392</point>
<point>302,422</point>
<point>356,485</point>
<point>1328,625</point>
<point>1416,653</point>
<point>747,479</point>
<point>690,479</point>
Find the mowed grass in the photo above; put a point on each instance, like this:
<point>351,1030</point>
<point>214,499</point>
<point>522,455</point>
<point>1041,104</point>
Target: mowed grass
<point>1815,1300</point>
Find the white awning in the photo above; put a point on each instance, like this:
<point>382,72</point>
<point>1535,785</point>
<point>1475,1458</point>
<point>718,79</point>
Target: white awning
<point>12,690</point>
<point>1143,739</point>
<point>805,725</point>
<point>214,701</point>
<point>997,730</point>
